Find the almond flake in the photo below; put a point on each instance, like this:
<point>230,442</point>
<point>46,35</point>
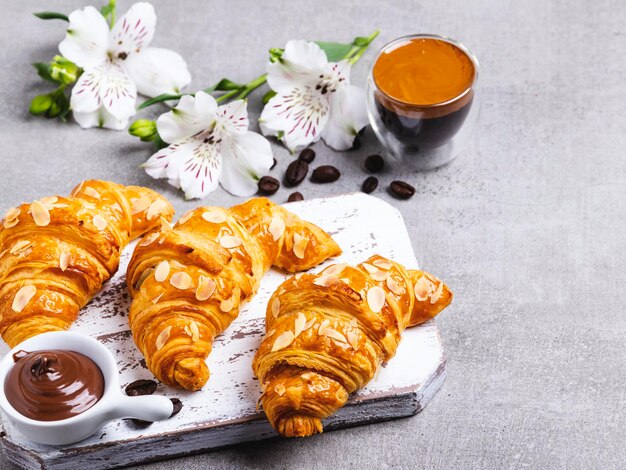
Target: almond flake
<point>22,297</point>
<point>335,269</point>
<point>148,239</point>
<point>12,214</point>
<point>345,280</point>
<point>205,289</point>
<point>229,241</point>
<point>394,287</point>
<point>162,271</point>
<point>371,269</point>
<point>423,289</point>
<point>325,281</point>
<point>19,246</point>
<point>10,223</point>
<point>275,307</point>
<point>299,245</point>
<point>49,200</point>
<point>99,222</point>
<point>379,275</point>
<point>185,217</point>
<point>280,389</point>
<point>299,324</point>
<point>89,191</point>
<point>215,217</point>
<point>353,339</point>
<point>155,209</point>
<point>354,323</point>
<point>77,189</point>
<point>139,204</point>
<point>277,227</point>
<point>309,324</point>
<point>334,334</point>
<point>308,375</point>
<point>323,326</point>
<point>435,297</point>
<point>228,304</point>
<point>283,340</point>
<point>163,337</point>
<point>156,299</point>
<point>383,264</point>
<point>376,298</point>
<point>181,280</point>
<point>64,260</point>
<point>177,265</point>
<point>195,331</point>
<point>271,332</point>
<point>40,214</point>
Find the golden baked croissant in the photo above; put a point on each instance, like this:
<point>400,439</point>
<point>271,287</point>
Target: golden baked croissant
<point>188,281</point>
<point>328,333</point>
<point>56,253</point>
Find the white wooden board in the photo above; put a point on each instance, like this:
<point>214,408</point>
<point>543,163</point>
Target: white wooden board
<point>223,412</point>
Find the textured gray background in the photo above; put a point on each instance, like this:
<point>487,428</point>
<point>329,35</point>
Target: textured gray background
<point>527,226</point>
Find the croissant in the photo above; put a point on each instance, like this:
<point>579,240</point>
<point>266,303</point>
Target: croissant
<point>56,253</point>
<point>188,282</point>
<point>328,333</point>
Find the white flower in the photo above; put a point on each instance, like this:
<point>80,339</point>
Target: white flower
<point>314,99</point>
<point>210,144</point>
<point>117,64</point>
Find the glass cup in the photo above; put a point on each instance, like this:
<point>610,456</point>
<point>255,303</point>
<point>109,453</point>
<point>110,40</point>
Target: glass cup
<point>423,136</point>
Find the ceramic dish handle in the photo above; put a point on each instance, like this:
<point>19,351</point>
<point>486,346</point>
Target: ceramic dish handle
<point>148,408</point>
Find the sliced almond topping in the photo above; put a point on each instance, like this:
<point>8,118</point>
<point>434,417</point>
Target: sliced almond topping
<point>206,288</point>
<point>334,334</point>
<point>177,265</point>
<point>283,340</point>
<point>155,209</point>
<point>279,389</point>
<point>185,217</point>
<point>40,214</point>
<point>370,269</point>
<point>379,275</point>
<point>299,324</point>
<point>323,326</point>
<point>99,222</point>
<point>275,307</point>
<point>162,271</point>
<point>22,297</point>
<point>46,201</point>
<point>12,214</point>
<point>227,304</point>
<point>10,223</point>
<point>271,332</point>
<point>64,260</point>
<point>229,241</point>
<point>383,264</point>
<point>376,298</point>
<point>163,337</point>
<point>195,331</point>
<point>309,324</point>
<point>181,280</point>
<point>423,288</point>
<point>345,280</point>
<point>19,246</point>
<point>308,375</point>
<point>214,216</point>
<point>147,240</point>
<point>435,297</point>
<point>325,281</point>
<point>335,269</point>
<point>394,287</point>
<point>77,189</point>
<point>353,339</point>
<point>354,323</point>
<point>277,227</point>
<point>157,298</point>
<point>139,204</point>
<point>89,191</point>
<point>299,245</point>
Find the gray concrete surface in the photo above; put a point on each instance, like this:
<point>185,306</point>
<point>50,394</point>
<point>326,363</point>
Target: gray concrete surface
<point>527,226</point>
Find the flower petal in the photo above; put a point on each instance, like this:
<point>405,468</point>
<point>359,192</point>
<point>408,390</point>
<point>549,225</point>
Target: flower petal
<point>245,159</point>
<point>86,93</point>
<point>200,174</point>
<point>100,118</point>
<point>87,38</point>
<point>134,30</point>
<point>166,162</point>
<point>156,71</point>
<point>301,64</point>
<point>300,114</point>
<point>348,115</point>
<point>233,117</point>
<point>191,115</point>
<point>117,92</point>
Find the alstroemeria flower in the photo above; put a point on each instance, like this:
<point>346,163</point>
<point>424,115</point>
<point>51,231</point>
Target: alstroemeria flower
<point>314,99</point>
<point>210,144</point>
<point>117,64</point>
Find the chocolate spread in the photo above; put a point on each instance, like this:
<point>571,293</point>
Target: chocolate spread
<point>53,385</point>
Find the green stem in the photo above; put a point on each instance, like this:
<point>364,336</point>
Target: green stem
<point>113,8</point>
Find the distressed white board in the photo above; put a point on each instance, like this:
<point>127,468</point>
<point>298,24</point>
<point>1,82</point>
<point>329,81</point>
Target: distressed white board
<point>224,411</point>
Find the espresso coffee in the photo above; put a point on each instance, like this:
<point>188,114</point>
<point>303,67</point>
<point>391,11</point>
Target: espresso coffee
<point>423,90</point>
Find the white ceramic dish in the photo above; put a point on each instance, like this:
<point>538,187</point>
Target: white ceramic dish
<point>113,404</point>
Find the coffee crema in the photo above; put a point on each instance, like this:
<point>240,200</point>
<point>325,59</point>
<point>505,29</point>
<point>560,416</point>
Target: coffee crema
<point>53,385</point>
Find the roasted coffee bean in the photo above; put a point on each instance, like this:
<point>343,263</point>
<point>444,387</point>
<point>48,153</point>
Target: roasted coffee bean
<point>178,405</point>
<point>307,155</point>
<point>325,174</point>
<point>401,190</point>
<point>374,163</point>
<point>268,185</point>
<point>273,164</point>
<point>293,197</point>
<point>140,422</point>
<point>370,184</point>
<point>296,172</point>
<point>141,387</point>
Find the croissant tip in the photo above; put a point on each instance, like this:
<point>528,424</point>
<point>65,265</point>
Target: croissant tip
<point>299,426</point>
<point>191,373</point>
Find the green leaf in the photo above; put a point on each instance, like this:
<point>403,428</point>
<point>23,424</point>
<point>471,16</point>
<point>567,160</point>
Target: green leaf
<point>107,10</point>
<point>226,85</point>
<point>334,51</point>
<point>63,105</point>
<point>362,41</point>
<point>43,70</point>
<point>268,96</point>
<point>51,15</point>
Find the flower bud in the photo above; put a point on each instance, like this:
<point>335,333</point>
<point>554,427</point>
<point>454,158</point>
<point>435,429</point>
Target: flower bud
<point>63,71</point>
<point>275,54</point>
<point>40,104</point>
<point>54,110</point>
<point>145,129</point>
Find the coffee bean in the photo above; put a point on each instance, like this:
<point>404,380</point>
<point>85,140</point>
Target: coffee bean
<point>293,197</point>
<point>273,164</point>
<point>141,387</point>
<point>307,155</point>
<point>374,163</point>
<point>296,172</point>
<point>140,422</point>
<point>178,405</point>
<point>402,190</point>
<point>268,185</point>
<point>369,185</point>
<point>325,174</point>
